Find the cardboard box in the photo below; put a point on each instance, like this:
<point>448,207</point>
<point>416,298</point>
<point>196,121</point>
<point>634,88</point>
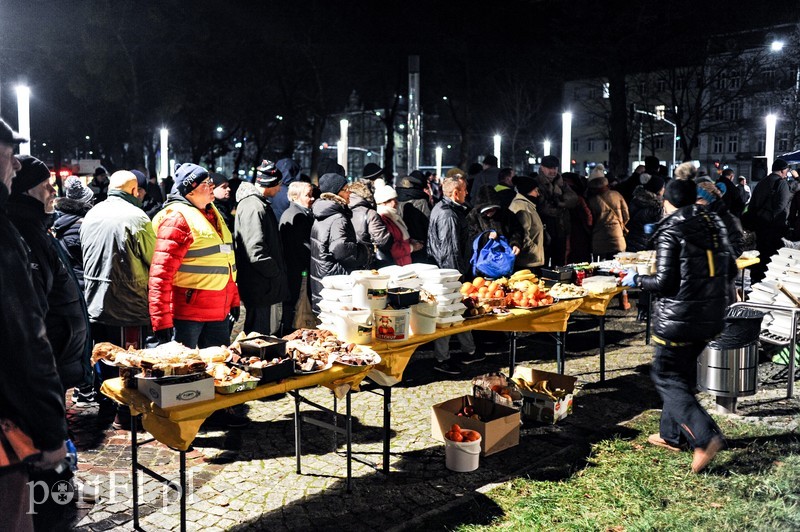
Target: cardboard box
<point>541,407</point>
<point>167,393</point>
<point>499,425</point>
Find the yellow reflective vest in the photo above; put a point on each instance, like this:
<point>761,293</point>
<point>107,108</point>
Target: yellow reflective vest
<point>210,260</point>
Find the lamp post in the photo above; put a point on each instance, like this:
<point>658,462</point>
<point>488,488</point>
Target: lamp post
<point>659,115</point>
<point>342,144</point>
<point>164,154</point>
<point>24,117</point>
<point>497,140</point>
<point>566,141</point>
<point>769,147</point>
<point>438,161</point>
<point>547,147</point>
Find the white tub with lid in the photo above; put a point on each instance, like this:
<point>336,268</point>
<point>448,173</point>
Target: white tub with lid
<point>392,325</point>
<point>423,318</point>
<point>369,289</point>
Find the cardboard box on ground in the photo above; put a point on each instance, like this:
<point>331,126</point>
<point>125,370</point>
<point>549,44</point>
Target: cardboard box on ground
<point>542,407</point>
<point>498,424</point>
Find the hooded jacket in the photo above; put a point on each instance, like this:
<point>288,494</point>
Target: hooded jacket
<point>367,223</point>
<point>117,241</point>
<point>414,205</point>
<point>334,248</point>
<point>31,394</point>
<point>295,229</point>
<point>695,266</point>
<point>290,171</point>
<point>448,236</point>
<point>259,253</point>
<point>532,250</point>
<point>56,290</point>
<point>67,228</point>
<point>645,208</point>
<point>503,221</point>
<point>176,235</point>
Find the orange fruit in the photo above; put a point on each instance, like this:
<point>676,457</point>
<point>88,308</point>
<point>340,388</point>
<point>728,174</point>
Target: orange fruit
<point>482,291</point>
<point>479,281</point>
<point>492,287</point>
<point>466,288</point>
<point>499,293</point>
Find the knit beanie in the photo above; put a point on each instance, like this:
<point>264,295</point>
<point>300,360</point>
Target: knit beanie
<point>188,177</point>
<point>76,190</point>
<point>32,173</point>
<point>332,183</point>
<point>654,184</point>
<point>681,192</point>
<point>708,191</point>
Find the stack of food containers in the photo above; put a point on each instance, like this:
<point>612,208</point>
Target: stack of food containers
<point>784,268</point>
<point>337,295</point>
<point>445,287</point>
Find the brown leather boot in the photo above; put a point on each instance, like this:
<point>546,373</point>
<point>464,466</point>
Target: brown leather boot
<point>624,304</point>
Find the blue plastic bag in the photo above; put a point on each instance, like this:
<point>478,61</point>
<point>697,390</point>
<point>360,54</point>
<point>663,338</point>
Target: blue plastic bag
<point>494,260</point>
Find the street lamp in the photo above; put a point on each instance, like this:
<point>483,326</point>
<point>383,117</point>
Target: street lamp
<point>659,115</point>
<point>438,161</point>
<point>547,147</point>
<point>342,144</point>
<point>776,46</point>
<point>24,117</point>
<point>164,153</point>
<point>497,140</point>
<point>769,147</point>
<point>566,141</point>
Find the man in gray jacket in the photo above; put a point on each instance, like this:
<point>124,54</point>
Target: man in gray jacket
<point>259,254</point>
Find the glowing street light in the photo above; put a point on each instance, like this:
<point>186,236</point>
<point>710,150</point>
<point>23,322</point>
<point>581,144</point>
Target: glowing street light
<point>769,147</point>
<point>566,141</point>
<point>342,144</point>
<point>547,147</point>
<point>438,161</point>
<point>497,140</point>
<point>165,170</point>
<point>24,117</point>
<point>776,46</point>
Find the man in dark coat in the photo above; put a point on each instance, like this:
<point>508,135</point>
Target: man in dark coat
<point>31,396</point>
<point>730,193</point>
<point>447,246</point>
<point>767,214</point>
<point>290,172</point>
<point>556,200</point>
<point>695,267</point>
<point>71,209</point>
<point>334,248</point>
<point>222,198</point>
<point>414,205</point>
<point>295,229</point>
<point>31,210</point>
<point>259,253</point>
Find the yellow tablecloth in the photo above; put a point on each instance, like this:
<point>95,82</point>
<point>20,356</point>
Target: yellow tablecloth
<point>177,427</point>
<point>396,355</point>
<point>743,263</point>
<point>597,305</point>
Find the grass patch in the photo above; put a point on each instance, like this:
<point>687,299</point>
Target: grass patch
<point>631,485</point>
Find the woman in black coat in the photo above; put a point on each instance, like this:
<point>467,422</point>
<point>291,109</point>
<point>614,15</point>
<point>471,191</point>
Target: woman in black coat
<point>646,208</point>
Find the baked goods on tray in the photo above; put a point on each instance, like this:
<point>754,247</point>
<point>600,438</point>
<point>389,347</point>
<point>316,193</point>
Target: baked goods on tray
<point>315,350</point>
<point>167,360</point>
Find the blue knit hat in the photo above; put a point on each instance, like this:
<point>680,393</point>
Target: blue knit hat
<point>188,177</point>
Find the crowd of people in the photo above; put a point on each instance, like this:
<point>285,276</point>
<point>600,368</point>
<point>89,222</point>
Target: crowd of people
<point>122,260</point>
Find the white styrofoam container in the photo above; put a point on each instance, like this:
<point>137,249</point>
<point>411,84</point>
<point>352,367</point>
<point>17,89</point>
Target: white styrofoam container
<point>167,395</point>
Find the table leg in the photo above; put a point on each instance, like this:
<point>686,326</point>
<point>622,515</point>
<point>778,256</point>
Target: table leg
<point>561,338</point>
<point>134,469</point>
<point>602,348</point>
<point>512,352</point>
<point>335,422</point>
<point>792,349</point>
<point>297,421</point>
<point>183,489</point>
<point>387,426</point>
<point>649,319</point>
<point>349,436</point>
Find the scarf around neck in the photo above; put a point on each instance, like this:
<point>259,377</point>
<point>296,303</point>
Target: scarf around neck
<point>393,215</point>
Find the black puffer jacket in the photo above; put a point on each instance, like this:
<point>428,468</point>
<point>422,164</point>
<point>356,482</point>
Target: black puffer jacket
<point>367,223</point>
<point>448,236</point>
<point>504,222</point>
<point>414,204</point>
<point>259,253</point>
<point>645,208</point>
<point>334,249</point>
<point>695,266</point>
<point>66,323</point>
<point>295,228</point>
<point>67,228</point>
<point>30,390</point>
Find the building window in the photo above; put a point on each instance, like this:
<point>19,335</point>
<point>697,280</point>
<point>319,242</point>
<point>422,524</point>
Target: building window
<point>593,93</point>
<point>661,85</point>
<point>576,93</point>
<point>606,91</point>
<point>720,81</point>
<point>762,146</point>
<point>768,74</point>
<point>735,110</point>
<point>734,81</point>
<point>658,142</point>
<point>733,143</point>
<point>575,145</point>
<point>590,145</point>
<point>717,113</point>
<point>606,146</point>
<point>716,144</point>
<point>783,141</point>
<point>642,87</point>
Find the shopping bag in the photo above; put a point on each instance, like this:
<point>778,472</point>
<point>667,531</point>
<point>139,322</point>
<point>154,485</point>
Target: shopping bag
<point>303,314</point>
<point>495,259</point>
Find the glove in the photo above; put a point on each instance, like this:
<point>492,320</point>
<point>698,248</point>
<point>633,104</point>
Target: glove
<point>630,278</point>
<point>233,317</point>
<point>649,229</point>
<point>161,336</point>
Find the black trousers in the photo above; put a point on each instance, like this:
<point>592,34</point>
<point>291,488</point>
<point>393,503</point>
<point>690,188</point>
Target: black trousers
<point>683,420</point>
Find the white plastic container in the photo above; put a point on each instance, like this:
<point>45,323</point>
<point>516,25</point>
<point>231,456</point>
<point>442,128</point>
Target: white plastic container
<point>462,457</point>
<point>354,326</point>
<point>369,289</point>
<point>449,321</point>
<point>423,318</point>
<point>337,282</point>
<point>330,294</point>
<point>440,276</point>
<point>392,325</point>
<point>442,288</point>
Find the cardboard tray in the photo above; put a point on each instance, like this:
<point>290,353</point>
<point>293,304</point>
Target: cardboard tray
<point>499,425</point>
<point>275,349</point>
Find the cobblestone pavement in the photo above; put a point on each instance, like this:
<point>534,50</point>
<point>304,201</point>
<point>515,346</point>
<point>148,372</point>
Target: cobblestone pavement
<point>246,479</point>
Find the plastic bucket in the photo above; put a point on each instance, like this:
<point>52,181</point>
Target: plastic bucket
<point>354,326</point>
<point>462,457</point>
<point>423,318</point>
<point>369,289</point>
<point>392,325</point>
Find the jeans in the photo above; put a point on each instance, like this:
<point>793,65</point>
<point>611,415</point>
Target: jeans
<point>683,420</point>
<point>194,334</point>
<point>264,320</point>
<point>441,346</point>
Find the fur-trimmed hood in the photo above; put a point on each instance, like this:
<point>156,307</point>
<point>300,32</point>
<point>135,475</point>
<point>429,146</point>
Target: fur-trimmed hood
<point>361,190</point>
<point>71,206</point>
<point>647,199</point>
<point>329,204</point>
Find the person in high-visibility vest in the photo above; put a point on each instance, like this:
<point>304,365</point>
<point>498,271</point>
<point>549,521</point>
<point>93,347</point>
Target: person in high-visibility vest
<point>193,272</point>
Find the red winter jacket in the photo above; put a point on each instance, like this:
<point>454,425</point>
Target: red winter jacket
<point>168,302</point>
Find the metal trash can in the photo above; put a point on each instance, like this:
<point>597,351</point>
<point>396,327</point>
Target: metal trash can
<point>728,366</point>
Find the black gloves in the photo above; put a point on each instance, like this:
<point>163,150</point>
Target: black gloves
<point>159,337</point>
<point>233,317</point>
